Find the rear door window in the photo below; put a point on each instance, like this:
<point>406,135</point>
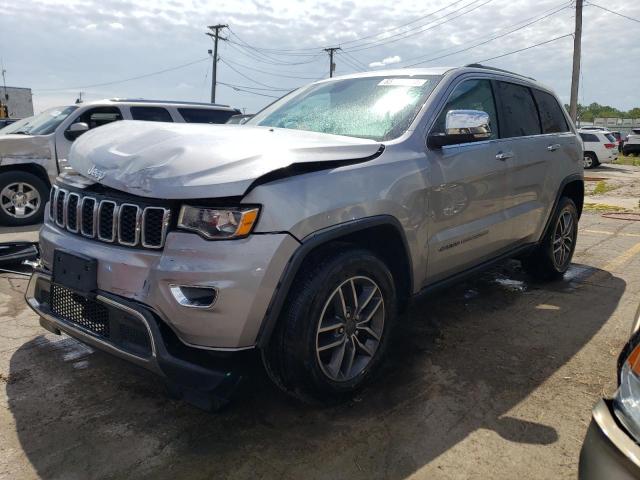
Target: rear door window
<point>551,115</point>
<point>204,115</point>
<point>151,114</point>
<point>610,137</point>
<point>519,113</point>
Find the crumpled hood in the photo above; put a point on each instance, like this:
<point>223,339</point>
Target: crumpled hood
<point>171,160</point>
<point>24,147</point>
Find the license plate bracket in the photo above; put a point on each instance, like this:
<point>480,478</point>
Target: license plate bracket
<point>75,272</point>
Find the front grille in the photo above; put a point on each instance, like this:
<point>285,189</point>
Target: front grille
<point>110,219</point>
<point>84,312</point>
<point>105,321</point>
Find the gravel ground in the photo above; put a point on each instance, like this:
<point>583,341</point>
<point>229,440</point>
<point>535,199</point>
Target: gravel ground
<point>494,378</point>
<point>621,184</point>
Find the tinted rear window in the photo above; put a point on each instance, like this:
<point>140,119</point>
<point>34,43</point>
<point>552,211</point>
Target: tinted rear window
<point>203,115</point>
<point>588,137</point>
<point>551,115</point>
<point>519,112</point>
<point>151,114</point>
<point>610,137</point>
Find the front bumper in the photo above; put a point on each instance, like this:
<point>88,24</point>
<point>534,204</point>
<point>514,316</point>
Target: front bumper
<point>608,452</point>
<point>147,344</point>
<point>244,272</point>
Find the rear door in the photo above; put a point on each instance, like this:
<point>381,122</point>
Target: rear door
<point>467,199</point>
<point>539,140</point>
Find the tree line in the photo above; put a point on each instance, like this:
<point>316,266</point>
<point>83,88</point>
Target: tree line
<point>587,113</point>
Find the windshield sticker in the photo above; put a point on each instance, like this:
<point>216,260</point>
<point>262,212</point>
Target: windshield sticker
<point>402,82</point>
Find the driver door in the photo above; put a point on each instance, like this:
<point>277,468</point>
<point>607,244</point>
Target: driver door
<point>94,117</point>
<point>469,188</point>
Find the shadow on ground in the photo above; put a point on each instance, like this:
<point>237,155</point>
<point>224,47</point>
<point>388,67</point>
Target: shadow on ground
<point>461,361</point>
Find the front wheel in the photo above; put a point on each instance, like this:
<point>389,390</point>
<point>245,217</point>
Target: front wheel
<point>22,198</point>
<point>335,329</point>
<point>551,259</point>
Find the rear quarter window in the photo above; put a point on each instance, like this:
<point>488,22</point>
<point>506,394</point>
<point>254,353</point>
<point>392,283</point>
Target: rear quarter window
<point>204,115</point>
<point>589,137</point>
<point>552,118</point>
<point>151,114</point>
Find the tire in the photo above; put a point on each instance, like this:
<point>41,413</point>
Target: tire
<point>590,160</point>
<point>543,264</point>
<point>298,358</point>
<point>16,188</point>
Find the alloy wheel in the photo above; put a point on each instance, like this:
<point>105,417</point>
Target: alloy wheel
<point>563,239</point>
<point>20,200</point>
<point>588,161</point>
<point>350,328</point>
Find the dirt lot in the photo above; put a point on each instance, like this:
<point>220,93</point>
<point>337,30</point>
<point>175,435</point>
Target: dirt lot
<point>495,378</point>
<point>613,187</point>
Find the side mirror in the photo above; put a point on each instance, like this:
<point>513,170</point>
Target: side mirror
<point>462,126</point>
<point>75,130</point>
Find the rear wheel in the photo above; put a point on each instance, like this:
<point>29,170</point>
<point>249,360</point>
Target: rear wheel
<point>590,160</point>
<point>22,198</point>
<point>335,329</point>
<point>551,259</point>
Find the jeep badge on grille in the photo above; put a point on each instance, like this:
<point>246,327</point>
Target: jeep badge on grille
<point>96,173</point>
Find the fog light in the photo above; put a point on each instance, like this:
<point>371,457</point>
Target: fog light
<point>194,296</point>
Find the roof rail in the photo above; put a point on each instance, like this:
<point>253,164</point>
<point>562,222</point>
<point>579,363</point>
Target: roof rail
<point>169,102</point>
<point>487,67</point>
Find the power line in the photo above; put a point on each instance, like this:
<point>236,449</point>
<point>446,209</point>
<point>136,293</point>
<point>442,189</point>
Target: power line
<point>526,48</point>
<point>247,77</point>
<point>294,51</point>
<point>355,60</point>
<point>138,77</point>
<point>258,88</point>
<point>270,73</point>
<point>351,63</point>
<point>404,35</point>
<point>485,41</point>
<point>614,12</point>
<point>255,56</point>
<point>238,89</point>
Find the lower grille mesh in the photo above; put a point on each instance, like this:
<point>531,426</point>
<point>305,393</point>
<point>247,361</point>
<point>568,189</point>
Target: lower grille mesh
<point>76,309</point>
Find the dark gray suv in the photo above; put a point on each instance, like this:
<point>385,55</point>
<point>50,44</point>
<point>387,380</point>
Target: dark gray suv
<point>302,233</point>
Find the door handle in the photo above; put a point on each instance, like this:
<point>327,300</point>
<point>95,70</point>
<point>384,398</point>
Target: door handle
<point>504,156</point>
<point>554,147</point>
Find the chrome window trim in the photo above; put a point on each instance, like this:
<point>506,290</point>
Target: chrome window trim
<point>137,225</point>
<point>69,195</point>
<point>114,222</point>
<point>93,224</point>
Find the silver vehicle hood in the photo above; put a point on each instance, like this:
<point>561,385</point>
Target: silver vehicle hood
<point>179,161</point>
<point>24,147</point>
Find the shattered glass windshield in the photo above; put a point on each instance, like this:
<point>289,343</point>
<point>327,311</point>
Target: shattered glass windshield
<point>378,108</point>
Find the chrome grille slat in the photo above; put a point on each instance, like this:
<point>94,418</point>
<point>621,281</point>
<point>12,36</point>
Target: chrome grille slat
<point>110,220</point>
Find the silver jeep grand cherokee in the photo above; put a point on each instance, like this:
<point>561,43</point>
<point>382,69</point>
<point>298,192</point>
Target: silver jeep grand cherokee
<point>302,234</point>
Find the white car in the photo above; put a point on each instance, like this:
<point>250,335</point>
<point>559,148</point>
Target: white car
<point>599,147</point>
<point>33,151</point>
<point>632,145</point>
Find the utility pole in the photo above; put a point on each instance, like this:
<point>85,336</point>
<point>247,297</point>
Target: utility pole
<point>332,66</point>
<point>575,76</point>
<point>4,80</point>
<point>216,35</point>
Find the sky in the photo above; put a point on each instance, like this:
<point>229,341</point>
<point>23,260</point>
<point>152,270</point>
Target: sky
<point>61,48</point>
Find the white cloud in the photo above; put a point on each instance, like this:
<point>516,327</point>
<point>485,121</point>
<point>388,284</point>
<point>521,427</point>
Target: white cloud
<point>386,61</point>
<point>116,26</point>
<point>91,26</point>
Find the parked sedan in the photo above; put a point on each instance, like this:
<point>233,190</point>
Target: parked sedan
<point>611,448</point>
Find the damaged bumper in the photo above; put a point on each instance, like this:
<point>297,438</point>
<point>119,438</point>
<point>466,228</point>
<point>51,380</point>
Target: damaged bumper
<point>131,332</point>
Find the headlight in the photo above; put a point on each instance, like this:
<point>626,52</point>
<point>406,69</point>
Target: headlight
<point>218,223</point>
<point>626,403</point>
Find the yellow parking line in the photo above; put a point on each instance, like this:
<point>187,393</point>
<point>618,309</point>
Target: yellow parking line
<point>623,258</point>
<point>605,232</point>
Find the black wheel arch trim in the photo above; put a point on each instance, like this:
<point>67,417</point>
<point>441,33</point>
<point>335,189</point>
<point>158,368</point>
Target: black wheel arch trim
<point>307,245</point>
<point>576,177</point>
